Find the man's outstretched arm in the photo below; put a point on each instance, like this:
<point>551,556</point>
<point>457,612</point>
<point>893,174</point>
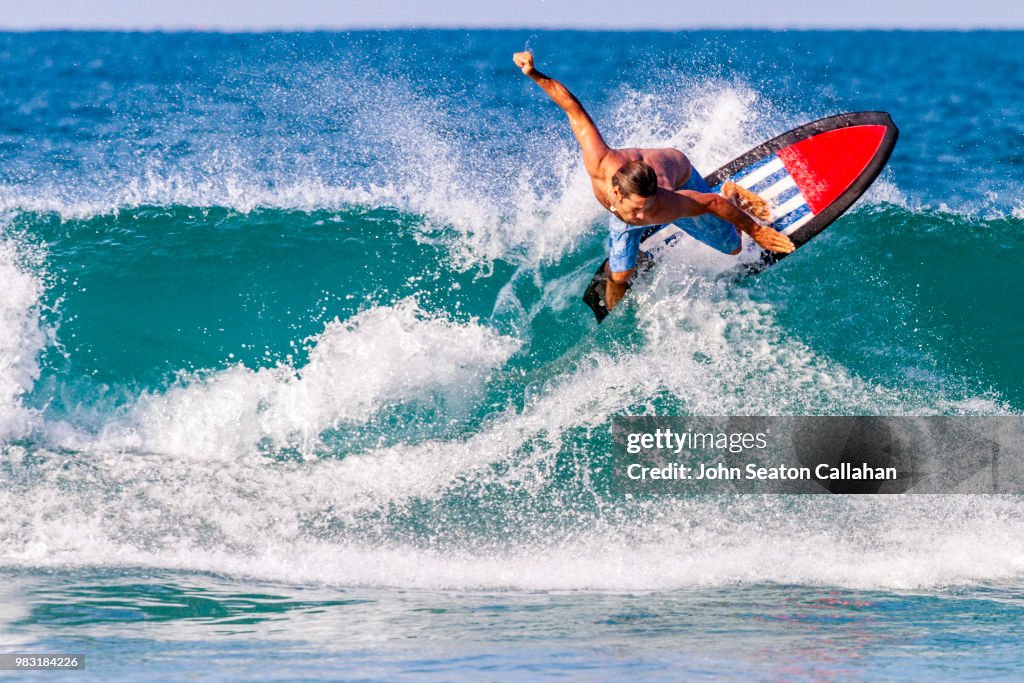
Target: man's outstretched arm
<point>591,142</point>
<point>686,204</point>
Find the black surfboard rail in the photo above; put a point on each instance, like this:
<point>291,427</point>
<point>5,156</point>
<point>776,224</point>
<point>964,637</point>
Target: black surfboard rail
<point>594,294</point>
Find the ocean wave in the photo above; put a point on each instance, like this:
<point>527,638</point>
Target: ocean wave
<point>188,476</point>
<point>381,357</point>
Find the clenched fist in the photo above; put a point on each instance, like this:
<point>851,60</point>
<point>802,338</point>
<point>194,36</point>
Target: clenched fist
<point>524,60</point>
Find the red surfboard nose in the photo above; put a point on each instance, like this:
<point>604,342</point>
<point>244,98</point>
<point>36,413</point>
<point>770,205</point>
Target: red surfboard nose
<point>824,165</point>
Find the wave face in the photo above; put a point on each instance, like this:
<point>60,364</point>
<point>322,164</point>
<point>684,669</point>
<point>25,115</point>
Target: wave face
<point>306,307</point>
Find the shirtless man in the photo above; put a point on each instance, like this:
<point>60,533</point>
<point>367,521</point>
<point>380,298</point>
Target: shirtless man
<point>643,187</point>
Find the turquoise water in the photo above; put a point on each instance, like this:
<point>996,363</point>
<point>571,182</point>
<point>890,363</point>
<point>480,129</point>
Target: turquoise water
<point>295,381</point>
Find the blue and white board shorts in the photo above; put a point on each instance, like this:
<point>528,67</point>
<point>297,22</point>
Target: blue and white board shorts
<point>624,239</point>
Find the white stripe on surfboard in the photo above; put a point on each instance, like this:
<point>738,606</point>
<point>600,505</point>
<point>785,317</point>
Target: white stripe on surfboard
<point>778,188</point>
<point>790,206</point>
<point>758,174</point>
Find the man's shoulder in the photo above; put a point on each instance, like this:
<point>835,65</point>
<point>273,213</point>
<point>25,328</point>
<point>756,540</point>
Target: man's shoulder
<point>613,161</point>
<point>663,159</point>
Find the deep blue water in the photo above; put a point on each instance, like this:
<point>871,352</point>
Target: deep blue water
<point>295,381</point>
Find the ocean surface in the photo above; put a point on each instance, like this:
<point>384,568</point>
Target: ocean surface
<point>296,383</point>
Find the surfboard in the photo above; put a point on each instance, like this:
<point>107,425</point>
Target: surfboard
<point>810,176</point>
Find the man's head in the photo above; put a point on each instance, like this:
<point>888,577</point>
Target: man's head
<point>633,188</point>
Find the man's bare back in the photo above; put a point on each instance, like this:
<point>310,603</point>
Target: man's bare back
<point>671,166</point>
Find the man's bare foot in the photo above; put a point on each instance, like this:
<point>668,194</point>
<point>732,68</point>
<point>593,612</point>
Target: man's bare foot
<point>747,202</point>
<point>616,286</point>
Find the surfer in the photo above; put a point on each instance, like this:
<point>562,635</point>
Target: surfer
<point>645,187</point>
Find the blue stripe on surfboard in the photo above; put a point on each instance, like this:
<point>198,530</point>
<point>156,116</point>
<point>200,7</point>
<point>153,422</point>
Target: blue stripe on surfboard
<point>784,196</point>
<point>791,217</point>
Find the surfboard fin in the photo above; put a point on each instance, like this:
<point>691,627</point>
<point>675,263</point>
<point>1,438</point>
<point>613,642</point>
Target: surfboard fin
<point>594,295</point>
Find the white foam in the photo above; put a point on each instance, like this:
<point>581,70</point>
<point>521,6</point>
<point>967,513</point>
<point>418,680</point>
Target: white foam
<point>274,523</point>
<point>885,191</point>
<point>22,337</point>
<point>382,357</point>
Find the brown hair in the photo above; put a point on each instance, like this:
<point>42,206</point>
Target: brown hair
<point>636,178</point>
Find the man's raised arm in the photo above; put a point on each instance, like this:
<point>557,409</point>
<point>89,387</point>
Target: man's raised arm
<point>591,142</point>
